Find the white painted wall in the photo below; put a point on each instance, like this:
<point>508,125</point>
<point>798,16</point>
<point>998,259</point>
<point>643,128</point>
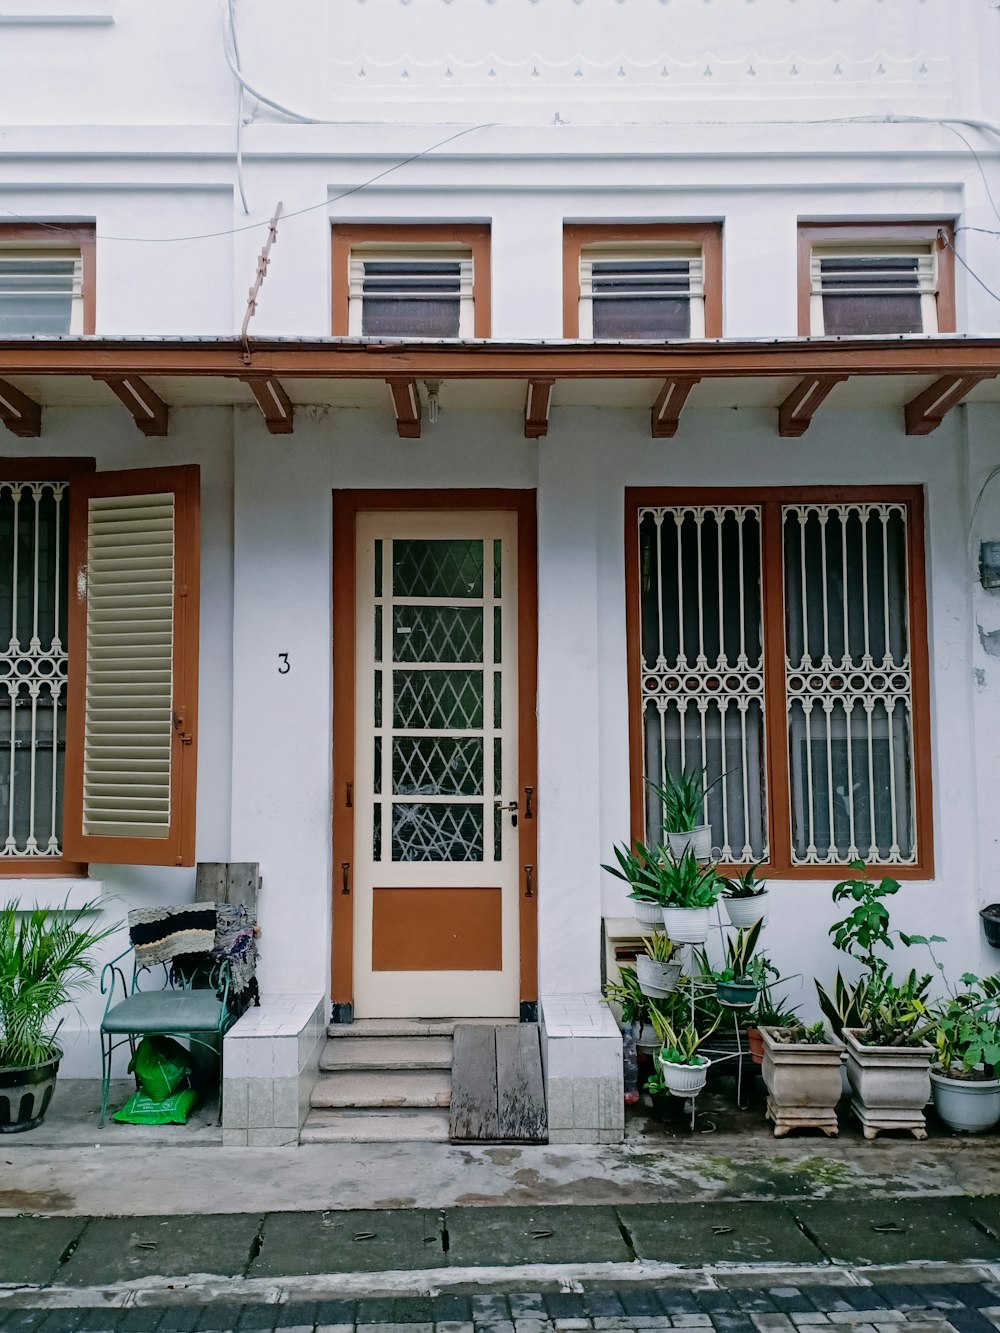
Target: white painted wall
<point>749,126</point>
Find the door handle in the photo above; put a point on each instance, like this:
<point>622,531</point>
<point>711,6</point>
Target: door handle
<point>509,808</point>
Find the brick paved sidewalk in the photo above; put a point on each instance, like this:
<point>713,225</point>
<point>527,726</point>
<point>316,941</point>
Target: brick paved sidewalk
<point>921,1308</point>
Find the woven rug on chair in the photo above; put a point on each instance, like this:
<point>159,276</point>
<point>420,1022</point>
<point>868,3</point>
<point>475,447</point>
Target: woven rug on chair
<point>160,934</point>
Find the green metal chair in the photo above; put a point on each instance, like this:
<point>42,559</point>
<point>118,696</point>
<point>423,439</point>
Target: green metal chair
<point>178,1008</point>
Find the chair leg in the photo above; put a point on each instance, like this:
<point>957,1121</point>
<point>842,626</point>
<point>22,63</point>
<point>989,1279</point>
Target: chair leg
<point>105,1075</point>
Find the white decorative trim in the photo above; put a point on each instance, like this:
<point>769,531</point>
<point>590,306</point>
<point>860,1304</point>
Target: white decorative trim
<point>49,892</point>
<point>57,12</point>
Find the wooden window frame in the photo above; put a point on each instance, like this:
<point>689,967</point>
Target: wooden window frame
<point>770,500</point>
<point>578,236</point>
<point>874,233</point>
<point>61,236</point>
<point>475,237</point>
<point>44,469</point>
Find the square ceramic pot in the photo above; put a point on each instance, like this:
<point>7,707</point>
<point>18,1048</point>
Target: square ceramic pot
<point>802,1081</point>
<point>891,1085</point>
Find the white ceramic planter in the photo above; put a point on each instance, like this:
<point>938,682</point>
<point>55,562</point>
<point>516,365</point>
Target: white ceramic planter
<point>647,1040</point>
<point>699,840</point>
<point>687,925</point>
<point>803,1083</point>
<point>648,914</point>
<point>746,912</point>
<point>683,1080</point>
<point>891,1085</point>
<point>656,979</point>
<point>964,1105</point>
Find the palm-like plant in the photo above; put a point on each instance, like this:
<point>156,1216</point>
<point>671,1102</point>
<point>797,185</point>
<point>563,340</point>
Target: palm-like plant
<point>44,962</point>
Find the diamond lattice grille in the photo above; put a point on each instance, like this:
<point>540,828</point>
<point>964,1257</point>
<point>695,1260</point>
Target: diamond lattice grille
<point>438,699</point>
<point>437,634</point>
<point>428,568</point>
<point>437,766</point>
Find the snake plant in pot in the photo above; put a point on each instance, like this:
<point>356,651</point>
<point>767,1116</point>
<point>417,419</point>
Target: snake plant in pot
<point>640,868</point>
<point>684,825</point>
<point>657,972</point>
<point>738,985</point>
<point>680,1070</point>
<point>746,898</point>
<point>45,960</point>
<point>689,892</point>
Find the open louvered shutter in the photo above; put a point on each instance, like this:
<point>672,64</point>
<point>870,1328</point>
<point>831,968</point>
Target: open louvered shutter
<point>131,745</point>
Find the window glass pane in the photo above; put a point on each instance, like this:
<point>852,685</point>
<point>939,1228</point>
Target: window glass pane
<point>871,294</point>
<point>437,633</point>
<point>702,666</point>
<point>437,832</point>
<point>36,295</point>
<point>652,318</point>
<point>437,766</point>
<point>411,299</point>
<point>438,699</point>
<point>849,684</point>
<point>872,315</point>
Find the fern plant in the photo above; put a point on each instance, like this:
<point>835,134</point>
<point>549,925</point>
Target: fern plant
<point>44,962</point>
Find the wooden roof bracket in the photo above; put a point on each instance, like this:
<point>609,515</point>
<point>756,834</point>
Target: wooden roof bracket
<point>276,407</point>
<point>925,413</point>
<point>148,409</point>
<point>406,405</point>
<point>536,408</point>
<point>669,404</point>
<point>19,413</point>
<point>797,411</point>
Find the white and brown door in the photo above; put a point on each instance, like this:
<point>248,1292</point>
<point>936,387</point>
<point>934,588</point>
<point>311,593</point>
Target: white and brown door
<point>434,744</point>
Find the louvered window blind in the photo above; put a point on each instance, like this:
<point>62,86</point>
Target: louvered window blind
<point>873,292</point>
<point>41,291</point>
<point>642,295</point>
<point>418,295</point>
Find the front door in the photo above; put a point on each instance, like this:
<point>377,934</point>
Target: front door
<point>436,796</point>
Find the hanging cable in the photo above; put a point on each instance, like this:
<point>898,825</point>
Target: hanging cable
<point>240,99</point>
<point>968,268</point>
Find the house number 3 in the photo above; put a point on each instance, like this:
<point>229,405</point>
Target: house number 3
<point>285,666</point>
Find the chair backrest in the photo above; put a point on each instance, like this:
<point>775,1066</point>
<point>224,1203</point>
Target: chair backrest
<point>236,882</point>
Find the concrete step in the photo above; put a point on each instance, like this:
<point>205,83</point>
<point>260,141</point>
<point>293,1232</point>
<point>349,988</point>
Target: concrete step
<point>383,1089</point>
<point>403,1027</point>
<point>329,1126</point>
<point>387,1053</point>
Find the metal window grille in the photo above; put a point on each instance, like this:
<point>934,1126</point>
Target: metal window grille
<point>642,295</point>
<point>702,667</point>
<point>874,291</point>
<point>41,291</point>
<point>418,296</point>
<point>33,586</point>
<point>848,684</point>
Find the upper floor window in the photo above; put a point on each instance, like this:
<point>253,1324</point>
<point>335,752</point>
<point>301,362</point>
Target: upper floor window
<point>411,282</point>
<point>875,280</point>
<point>644,282</point>
<point>46,279</point>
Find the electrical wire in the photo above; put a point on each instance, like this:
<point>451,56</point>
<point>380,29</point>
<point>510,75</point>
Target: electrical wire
<point>968,268</point>
<point>241,96</point>
<point>975,508</point>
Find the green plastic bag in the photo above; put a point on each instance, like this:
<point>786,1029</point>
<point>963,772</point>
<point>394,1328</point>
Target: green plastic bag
<point>172,1110</point>
<point>160,1065</point>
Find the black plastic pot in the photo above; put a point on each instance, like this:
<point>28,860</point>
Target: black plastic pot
<point>25,1094</point>
<point>990,917</point>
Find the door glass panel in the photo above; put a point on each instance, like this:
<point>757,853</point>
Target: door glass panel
<point>437,634</point>
<point>431,568</point>
<point>437,699</point>
<point>437,766</point>
<point>437,832</point>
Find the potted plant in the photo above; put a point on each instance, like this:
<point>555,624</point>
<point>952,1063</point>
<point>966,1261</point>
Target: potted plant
<point>745,897</point>
<point>44,961</point>
<point>990,917</point>
<point>738,985</point>
<point>888,1057</point>
<point>639,867</point>
<point>690,890</point>
<point>633,1008</point>
<point>680,1069</point>
<point>967,1036</point>
<point>657,973</point>
<point>771,1010</point>
<point>801,1070</point>
<point>684,826</point>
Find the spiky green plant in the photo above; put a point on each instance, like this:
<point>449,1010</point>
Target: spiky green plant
<point>44,963</point>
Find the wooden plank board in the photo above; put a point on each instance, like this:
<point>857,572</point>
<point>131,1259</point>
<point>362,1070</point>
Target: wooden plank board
<point>474,1083</point>
<point>229,882</point>
<point>520,1086</point>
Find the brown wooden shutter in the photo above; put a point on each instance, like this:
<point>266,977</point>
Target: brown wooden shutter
<point>131,726</point>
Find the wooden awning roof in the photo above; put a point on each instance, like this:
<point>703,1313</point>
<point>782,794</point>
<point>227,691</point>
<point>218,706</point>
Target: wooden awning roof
<point>921,377</point>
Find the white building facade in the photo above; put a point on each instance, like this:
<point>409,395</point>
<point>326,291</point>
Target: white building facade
<point>620,393</point>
